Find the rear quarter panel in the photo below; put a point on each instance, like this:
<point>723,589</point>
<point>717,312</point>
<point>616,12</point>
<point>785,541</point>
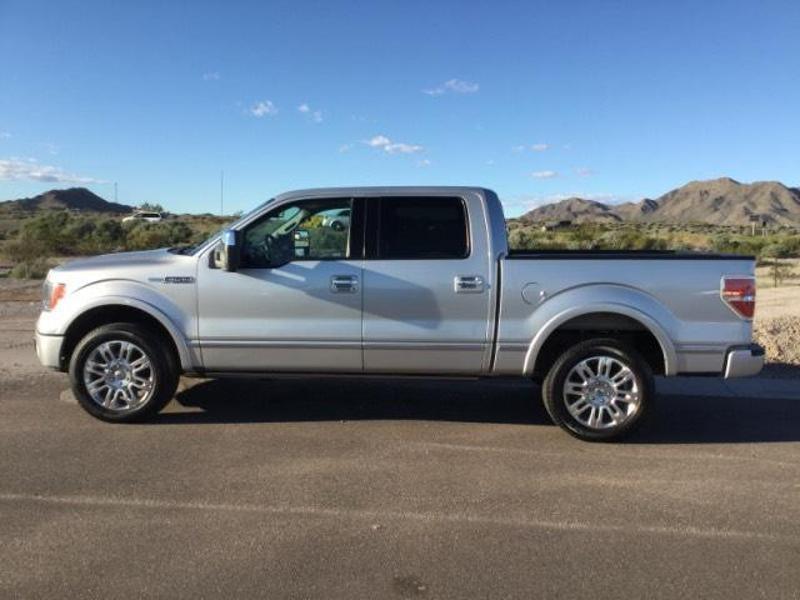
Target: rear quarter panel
<point>677,299</point>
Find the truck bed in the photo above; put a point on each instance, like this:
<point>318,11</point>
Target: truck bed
<point>561,254</point>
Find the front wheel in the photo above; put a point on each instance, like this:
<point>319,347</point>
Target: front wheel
<point>598,390</point>
<point>123,372</point>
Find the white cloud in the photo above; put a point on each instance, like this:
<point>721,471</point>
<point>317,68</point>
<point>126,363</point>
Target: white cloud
<point>390,147</point>
<point>533,147</point>
<point>378,141</point>
<point>424,163</point>
<point>18,169</point>
<point>263,108</point>
<point>315,116</point>
<point>455,86</point>
<point>547,174</point>
<point>211,76</point>
<point>584,172</point>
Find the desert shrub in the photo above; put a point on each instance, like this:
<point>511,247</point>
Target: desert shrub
<point>151,207</point>
<point>146,236</point>
<point>20,251</point>
<point>35,269</point>
<point>51,230</point>
<point>108,236</point>
<point>778,270</point>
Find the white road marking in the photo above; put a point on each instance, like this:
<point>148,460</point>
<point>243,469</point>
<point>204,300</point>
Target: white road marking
<point>377,515</point>
<point>647,455</point>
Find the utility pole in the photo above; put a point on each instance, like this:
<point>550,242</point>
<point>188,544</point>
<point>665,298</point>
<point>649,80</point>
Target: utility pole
<point>222,193</point>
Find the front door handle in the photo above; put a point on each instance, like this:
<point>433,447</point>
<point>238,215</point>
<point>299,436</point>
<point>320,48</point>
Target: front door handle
<point>344,284</point>
<point>469,284</point>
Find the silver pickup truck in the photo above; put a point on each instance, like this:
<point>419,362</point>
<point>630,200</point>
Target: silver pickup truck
<point>414,281</point>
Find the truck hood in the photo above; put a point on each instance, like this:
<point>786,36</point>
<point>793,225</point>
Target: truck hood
<point>151,267</point>
<point>120,260</point>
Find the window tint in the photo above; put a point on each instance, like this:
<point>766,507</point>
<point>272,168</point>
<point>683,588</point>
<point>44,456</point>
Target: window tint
<point>422,228</point>
<point>306,230</point>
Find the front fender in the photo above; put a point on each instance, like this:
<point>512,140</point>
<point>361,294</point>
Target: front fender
<point>600,298</point>
<point>166,311</point>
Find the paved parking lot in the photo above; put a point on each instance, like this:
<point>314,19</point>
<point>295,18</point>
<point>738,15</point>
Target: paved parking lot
<point>343,488</point>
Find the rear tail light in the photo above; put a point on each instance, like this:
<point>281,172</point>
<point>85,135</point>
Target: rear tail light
<point>740,294</point>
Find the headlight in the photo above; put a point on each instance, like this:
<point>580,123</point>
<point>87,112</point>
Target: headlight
<point>52,293</point>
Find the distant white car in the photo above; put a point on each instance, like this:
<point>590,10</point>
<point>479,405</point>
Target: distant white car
<point>149,217</point>
<point>338,220</point>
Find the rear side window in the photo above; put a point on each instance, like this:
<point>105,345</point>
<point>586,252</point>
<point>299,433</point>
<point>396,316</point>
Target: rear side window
<point>420,228</point>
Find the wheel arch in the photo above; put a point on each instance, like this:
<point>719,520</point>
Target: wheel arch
<point>608,319</point>
<point>111,310</point>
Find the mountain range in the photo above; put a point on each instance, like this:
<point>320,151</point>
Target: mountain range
<point>723,201</point>
<point>79,199</point>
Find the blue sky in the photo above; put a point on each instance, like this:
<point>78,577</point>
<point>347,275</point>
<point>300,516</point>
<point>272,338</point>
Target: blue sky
<point>537,100</point>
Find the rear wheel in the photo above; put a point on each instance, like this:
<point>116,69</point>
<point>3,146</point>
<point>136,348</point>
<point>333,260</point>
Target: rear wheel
<point>123,372</point>
<point>598,390</point>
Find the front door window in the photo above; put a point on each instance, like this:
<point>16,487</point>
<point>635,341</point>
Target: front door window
<point>301,231</point>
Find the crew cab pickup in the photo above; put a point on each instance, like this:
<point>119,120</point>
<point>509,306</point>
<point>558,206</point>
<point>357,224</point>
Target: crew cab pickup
<point>416,281</point>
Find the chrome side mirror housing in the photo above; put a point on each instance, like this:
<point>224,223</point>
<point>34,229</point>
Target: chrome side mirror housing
<point>227,253</point>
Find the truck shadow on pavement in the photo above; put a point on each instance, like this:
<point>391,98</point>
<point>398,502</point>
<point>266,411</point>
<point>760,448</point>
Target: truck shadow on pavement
<point>682,419</point>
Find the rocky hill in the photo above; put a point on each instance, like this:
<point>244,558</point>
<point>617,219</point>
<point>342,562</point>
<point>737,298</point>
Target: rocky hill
<point>79,199</point>
<point>721,201</point>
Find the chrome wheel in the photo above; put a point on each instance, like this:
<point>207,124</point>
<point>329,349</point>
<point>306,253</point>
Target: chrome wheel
<point>601,392</point>
<point>119,376</point>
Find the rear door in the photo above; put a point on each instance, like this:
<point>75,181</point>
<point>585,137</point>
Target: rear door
<point>426,300</point>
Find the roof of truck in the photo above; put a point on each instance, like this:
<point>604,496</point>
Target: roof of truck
<point>409,190</point>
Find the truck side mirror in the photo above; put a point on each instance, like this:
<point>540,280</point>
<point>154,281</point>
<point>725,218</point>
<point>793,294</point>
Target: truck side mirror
<point>227,254</point>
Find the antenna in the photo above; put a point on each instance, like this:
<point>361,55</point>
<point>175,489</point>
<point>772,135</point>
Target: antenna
<point>221,193</point>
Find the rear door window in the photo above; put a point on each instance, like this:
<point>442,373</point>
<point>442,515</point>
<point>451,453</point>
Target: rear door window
<point>422,228</point>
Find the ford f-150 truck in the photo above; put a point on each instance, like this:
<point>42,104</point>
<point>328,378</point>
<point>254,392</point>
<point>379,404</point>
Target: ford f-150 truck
<point>417,281</point>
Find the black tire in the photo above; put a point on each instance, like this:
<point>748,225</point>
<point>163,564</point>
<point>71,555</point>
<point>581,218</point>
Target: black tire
<point>337,226</point>
<point>165,371</point>
<point>556,399</point>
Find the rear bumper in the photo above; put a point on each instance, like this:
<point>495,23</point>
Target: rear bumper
<point>742,361</point>
<point>48,349</point>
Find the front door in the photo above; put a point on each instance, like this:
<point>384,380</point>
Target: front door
<point>295,303</point>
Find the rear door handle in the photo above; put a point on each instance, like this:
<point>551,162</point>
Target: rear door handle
<point>469,284</point>
<point>344,284</point>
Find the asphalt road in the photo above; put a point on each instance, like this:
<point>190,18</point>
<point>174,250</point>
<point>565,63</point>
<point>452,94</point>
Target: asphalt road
<point>385,489</point>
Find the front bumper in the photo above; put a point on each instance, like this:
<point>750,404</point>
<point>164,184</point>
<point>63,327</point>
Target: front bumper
<point>743,361</point>
<point>48,349</point>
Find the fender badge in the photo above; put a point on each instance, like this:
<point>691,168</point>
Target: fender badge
<point>171,279</point>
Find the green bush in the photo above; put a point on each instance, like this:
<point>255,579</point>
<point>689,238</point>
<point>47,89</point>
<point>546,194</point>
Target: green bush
<point>36,269</point>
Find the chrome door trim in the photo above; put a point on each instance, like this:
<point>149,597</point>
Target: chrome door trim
<point>289,344</point>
